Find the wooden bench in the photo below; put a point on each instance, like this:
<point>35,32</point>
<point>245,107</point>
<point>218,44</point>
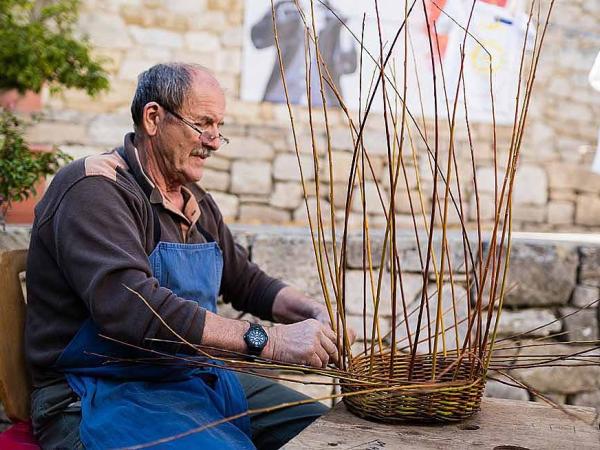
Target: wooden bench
<point>500,425</point>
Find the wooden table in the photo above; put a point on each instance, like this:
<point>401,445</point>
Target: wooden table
<point>500,425</point>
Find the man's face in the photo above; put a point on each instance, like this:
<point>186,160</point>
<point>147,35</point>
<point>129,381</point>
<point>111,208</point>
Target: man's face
<point>182,151</point>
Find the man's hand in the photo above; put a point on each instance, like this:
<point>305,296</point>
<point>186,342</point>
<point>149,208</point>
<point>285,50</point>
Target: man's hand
<point>308,342</point>
<point>323,317</point>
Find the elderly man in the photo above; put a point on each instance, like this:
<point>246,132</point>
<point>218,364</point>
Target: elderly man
<point>132,221</point>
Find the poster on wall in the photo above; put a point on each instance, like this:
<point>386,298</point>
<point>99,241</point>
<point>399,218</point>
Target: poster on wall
<point>496,36</point>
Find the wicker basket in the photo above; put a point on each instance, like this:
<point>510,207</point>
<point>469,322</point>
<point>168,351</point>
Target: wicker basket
<point>455,397</point>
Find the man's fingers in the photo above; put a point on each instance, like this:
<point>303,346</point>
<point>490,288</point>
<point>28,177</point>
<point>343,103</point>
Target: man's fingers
<point>329,333</point>
<point>330,348</point>
<point>318,359</point>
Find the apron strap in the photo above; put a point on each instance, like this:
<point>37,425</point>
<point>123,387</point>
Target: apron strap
<point>148,190</point>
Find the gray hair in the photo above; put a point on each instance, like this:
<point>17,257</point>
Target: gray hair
<point>166,84</point>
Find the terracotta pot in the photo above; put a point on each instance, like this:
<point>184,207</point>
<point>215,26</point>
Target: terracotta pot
<point>29,102</point>
<point>23,212</point>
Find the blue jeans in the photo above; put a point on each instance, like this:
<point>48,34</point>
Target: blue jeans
<point>56,413</point>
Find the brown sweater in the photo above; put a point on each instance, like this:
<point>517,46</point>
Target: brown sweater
<point>92,234</point>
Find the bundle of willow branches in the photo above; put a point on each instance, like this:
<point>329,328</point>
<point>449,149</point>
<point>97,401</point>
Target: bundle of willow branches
<point>440,378</point>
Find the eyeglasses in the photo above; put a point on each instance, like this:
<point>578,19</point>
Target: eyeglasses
<point>222,139</point>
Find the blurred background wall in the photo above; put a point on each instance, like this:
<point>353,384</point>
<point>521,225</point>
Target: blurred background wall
<point>256,180</point>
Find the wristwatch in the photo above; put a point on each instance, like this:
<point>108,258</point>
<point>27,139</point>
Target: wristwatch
<point>255,338</point>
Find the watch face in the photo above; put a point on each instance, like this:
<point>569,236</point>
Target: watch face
<point>256,337</point>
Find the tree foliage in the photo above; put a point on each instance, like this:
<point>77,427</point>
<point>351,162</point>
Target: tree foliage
<point>38,45</point>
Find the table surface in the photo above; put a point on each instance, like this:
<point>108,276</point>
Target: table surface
<point>500,425</point>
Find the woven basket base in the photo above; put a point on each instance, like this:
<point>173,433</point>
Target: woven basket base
<point>454,397</point>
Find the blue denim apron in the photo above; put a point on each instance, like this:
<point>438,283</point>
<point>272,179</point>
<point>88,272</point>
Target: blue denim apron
<point>128,403</point>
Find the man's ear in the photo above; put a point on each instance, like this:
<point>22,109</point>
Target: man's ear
<point>151,116</point>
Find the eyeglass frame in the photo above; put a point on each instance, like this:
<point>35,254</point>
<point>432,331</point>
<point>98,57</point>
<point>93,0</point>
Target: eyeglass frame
<point>222,139</point>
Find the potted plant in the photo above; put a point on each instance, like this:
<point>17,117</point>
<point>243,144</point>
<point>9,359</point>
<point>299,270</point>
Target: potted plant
<point>40,47</point>
<point>20,168</point>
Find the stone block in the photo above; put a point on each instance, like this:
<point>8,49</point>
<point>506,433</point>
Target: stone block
<point>584,295</point>
<point>81,151</point>
<point>528,213</point>
<point>402,202</point>
<point>587,211</point>
<point>540,273</point>
<point>207,20</point>
<point>233,37</point>
<point>561,399</point>
<point>342,163</point>
<point>589,269</point>
<point>531,186</point>
<point>286,195</point>
<point>582,324</point>
<point>410,260</point>
<point>109,129</point>
<point>505,353</point>
<point>341,139</point>
<point>289,257</point>
<point>565,379</point>
<point>285,167</point>
<point>373,196</point>
<point>247,148</point>
<point>213,180</point>
<point>119,96</point>
<point>228,204</point>
<point>56,133</point>
<point>375,141</point>
<point>217,162</point>
<point>229,61</point>
<point>340,194</point>
<point>405,181</point>
<point>588,399</point>
<point>300,214</point>
<point>105,30</point>
<point>200,40</point>
<point>255,213</point>
<point>355,298</point>
<point>305,140</point>
<point>567,176</point>
<point>561,212</point>
<point>447,323</point>
<point>132,67</point>
<point>357,323</point>
<point>250,177</point>
<point>495,389</point>
<point>563,195</point>
<point>527,322</point>
<point>156,37</point>
<point>485,211</point>
<point>186,6</point>
<point>261,199</point>
<point>355,249</point>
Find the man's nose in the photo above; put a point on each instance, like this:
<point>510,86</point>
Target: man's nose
<point>212,138</point>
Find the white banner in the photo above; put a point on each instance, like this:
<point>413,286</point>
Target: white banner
<point>493,26</point>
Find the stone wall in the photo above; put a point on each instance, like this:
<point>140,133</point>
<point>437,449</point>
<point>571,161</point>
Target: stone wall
<point>552,289</point>
<point>256,178</point>
<point>551,284</point>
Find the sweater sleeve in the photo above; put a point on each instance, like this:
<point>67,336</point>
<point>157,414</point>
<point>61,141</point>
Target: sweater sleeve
<point>99,246</point>
<point>244,284</point>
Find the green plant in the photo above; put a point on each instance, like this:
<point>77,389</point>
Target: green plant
<point>20,168</point>
<point>40,45</point>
